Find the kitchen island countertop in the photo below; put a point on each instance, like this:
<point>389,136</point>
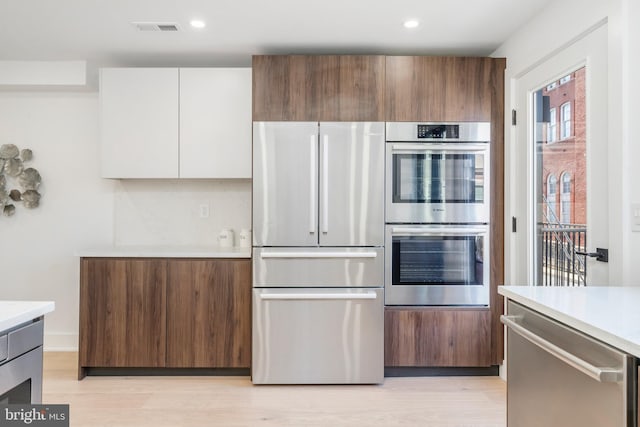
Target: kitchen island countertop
<point>14,313</point>
<point>608,313</point>
<point>164,252</point>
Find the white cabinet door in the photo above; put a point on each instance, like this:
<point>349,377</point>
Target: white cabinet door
<point>215,122</point>
<point>139,122</point>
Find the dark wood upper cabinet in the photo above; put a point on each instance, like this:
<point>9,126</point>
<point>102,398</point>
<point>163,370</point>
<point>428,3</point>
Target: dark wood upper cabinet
<point>318,88</point>
<point>122,312</point>
<point>432,88</point>
<point>209,314</point>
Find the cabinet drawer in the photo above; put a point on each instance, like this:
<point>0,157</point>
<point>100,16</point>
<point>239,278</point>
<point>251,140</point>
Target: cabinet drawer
<point>312,267</point>
<point>25,338</point>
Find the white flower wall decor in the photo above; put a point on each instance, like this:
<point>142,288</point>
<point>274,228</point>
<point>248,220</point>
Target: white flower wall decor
<point>17,182</point>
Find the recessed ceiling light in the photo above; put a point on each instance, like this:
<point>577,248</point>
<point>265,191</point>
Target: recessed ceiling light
<point>411,23</point>
<point>196,23</point>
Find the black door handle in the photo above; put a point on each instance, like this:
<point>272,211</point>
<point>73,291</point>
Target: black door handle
<point>600,254</point>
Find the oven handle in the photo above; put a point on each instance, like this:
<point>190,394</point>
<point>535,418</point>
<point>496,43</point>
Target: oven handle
<point>437,232</point>
<point>440,147</point>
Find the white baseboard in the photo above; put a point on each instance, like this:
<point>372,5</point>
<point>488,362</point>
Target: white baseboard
<point>503,370</point>
<point>60,342</point>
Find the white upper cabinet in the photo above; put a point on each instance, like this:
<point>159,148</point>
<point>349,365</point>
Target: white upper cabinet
<point>215,122</point>
<point>139,122</point>
<point>175,123</point>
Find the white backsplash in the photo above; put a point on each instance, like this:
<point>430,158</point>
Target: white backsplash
<point>168,212</point>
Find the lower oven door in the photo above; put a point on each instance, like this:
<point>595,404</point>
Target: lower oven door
<point>318,336</point>
<point>437,265</point>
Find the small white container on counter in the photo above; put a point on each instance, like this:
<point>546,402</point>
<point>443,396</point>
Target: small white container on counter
<point>244,238</point>
<point>226,238</point>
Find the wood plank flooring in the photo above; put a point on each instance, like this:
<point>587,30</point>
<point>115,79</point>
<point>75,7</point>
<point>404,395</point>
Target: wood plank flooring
<point>234,401</point>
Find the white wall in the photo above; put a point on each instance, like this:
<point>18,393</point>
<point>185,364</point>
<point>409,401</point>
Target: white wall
<point>37,246</point>
<point>80,210</point>
<point>167,212</point>
<point>631,137</point>
<point>541,38</point>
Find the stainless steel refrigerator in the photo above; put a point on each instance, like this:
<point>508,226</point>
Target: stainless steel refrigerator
<point>318,261</point>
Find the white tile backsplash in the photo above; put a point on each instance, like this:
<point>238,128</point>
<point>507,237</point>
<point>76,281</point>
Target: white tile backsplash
<point>168,212</point>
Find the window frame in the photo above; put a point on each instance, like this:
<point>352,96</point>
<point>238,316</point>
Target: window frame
<point>565,198</point>
<point>565,120</point>
<point>552,127</point>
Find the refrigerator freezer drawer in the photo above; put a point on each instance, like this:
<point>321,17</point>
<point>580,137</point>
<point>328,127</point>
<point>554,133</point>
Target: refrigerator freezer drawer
<point>318,267</point>
<point>318,336</point>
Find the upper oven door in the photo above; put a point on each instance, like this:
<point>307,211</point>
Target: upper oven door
<point>437,182</point>
<point>437,265</point>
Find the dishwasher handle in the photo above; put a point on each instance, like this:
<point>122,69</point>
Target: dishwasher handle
<point>600,374</point>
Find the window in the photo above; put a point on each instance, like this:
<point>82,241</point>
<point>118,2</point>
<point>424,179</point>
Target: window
<point>565,198</point>
<point>551,86</point>
<point>565,120</point>
<point>552,128</point>
<point>565,79</point>
<point>551,198</point>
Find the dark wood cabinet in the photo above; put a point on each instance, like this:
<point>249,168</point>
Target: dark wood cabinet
<point>435,88</point>
<point>318,87</point>
<point>437,337</point>
<point>164,313</point>
<point>209,314</point>
<point>122,312</point>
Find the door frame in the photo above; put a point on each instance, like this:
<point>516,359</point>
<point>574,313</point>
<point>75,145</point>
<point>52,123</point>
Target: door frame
<point>588,50</point>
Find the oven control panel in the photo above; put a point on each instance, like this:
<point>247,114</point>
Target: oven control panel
<point>438,131</point>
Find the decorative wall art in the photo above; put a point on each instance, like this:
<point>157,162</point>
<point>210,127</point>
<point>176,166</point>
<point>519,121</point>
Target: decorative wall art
<point>14,174</point>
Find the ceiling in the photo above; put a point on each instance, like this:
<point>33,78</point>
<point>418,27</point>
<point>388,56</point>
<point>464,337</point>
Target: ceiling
<point>100,31</point>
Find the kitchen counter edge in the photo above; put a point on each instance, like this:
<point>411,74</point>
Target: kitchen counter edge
<point>165,252</point>
<point>14,313</point>
<point>605,313</point>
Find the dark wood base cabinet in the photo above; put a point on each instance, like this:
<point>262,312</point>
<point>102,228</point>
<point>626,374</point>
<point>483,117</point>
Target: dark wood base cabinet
<point>437,337</point>
<point>209,314</point>
<point>164,313</point>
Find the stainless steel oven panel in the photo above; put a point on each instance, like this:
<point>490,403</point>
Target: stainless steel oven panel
<point>436,212</point>
<point>436,294</point>
<point>318,336</point>
<point>318,267</point>
<point>467,132</point>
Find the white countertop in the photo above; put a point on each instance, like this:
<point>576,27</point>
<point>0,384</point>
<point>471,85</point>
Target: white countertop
<point>165,252</point>
<point>13,313</point>
<point>608,313</point>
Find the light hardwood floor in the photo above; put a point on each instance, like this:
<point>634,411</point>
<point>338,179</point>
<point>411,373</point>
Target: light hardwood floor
<point>234,401</point>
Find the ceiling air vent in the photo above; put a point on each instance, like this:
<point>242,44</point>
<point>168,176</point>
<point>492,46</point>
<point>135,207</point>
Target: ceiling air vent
<point>156,26</point>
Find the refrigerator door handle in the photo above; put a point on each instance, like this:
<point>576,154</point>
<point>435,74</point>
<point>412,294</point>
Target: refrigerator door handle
<point>325,184</point>
<point>319,296</point>
<point>318,255</point>
<point>313,176</point>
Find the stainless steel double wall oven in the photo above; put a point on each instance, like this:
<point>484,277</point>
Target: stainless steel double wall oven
<point>437,213</point>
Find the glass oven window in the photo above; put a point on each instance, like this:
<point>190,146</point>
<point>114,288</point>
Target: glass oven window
<point>437,260</point>
<point>438,178</point>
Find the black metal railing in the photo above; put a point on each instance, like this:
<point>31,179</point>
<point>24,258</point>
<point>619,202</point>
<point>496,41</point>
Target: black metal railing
<point>560,264</point>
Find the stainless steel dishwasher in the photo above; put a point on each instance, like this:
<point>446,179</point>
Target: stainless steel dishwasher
<point>559,377</point>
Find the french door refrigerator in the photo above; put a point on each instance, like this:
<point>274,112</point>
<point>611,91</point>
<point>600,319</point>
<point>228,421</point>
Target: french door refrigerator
<point>318,256</point>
